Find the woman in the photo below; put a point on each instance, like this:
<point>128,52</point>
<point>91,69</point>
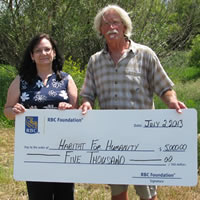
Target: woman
<point>41,84</point>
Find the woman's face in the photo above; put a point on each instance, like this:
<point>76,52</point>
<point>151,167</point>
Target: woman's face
<point>43,54</point>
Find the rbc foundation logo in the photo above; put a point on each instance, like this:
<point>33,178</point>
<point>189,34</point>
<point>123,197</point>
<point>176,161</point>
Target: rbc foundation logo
<point>31,125</point>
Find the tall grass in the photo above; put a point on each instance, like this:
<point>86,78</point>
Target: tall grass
<point>186,79</point>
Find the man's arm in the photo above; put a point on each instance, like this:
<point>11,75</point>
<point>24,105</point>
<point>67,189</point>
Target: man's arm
<point>170,99</point>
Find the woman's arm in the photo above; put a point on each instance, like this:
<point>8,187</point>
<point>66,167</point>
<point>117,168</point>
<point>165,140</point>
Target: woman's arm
<point>73,93</point>
<point>73,96</point>
<point>12,107</point>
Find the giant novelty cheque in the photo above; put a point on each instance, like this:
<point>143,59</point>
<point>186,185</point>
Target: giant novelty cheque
<point>157,147</point>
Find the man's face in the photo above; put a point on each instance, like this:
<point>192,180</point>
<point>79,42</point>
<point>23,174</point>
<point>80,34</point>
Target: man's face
<point>112,27</point>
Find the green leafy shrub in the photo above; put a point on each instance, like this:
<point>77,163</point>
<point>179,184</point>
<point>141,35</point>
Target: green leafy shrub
<point>176,65</point>
<point>195,52</point>
<point>7,74</point>
<point>74,69</point>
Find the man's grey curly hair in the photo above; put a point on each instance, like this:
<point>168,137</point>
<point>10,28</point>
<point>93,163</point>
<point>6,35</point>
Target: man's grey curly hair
<point>122,13</point>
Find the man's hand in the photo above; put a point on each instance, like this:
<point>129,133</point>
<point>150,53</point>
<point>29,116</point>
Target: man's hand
<point>178,105</point>
<point>170,99</point>
<point>85,107</point>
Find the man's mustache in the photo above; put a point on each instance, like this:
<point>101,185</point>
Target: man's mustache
<point>112,31</point>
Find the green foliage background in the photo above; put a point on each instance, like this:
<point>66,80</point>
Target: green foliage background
<point>162,25</point>
<point>194,56</point>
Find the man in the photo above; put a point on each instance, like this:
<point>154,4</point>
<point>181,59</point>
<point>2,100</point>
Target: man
<point>125,75</point>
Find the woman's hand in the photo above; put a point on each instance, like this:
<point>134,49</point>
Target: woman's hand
<point>11,111</point>
<point>64,106</point>
<point>18,108</point>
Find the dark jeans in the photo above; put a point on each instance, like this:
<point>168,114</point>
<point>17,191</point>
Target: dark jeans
<point>50,191</point>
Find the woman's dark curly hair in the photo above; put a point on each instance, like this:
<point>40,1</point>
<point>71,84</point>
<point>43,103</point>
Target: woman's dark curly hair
<point>28,70</point>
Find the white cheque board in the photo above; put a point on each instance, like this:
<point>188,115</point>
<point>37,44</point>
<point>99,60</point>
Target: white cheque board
<point>157,147</point>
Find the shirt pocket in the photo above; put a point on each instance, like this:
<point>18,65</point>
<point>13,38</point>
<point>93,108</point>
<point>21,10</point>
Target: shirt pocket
<point>133,76</point>
<point>133,82</point>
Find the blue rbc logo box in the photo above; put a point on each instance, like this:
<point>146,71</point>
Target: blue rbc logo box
<point>31,125</point>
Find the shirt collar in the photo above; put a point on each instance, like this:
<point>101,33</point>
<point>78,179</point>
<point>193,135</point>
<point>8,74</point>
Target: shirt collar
<point>132,47</point>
